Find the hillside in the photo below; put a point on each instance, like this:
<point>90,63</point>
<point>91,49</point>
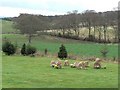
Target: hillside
<point>35,72</point>
<point>80,48</point>
<point>73,46</point>
<point>7,27</point>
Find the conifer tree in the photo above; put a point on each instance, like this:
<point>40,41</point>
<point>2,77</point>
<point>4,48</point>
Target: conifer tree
<point>23,50</point>
<point>8,48</point>
<point>62,52</point>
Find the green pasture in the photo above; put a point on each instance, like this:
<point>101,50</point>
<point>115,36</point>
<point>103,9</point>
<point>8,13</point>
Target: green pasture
<point>7,27</point>
<point>73,46</point>
<point>80,48</point>
<point>35,72</point>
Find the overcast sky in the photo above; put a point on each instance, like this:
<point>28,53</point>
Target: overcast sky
<point>11,8</point>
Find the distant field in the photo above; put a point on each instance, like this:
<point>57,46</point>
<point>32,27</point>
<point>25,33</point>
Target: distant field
<point>35,72</point>
<point>7,27</point>
<point>52,43</point>
<point>72,46</point>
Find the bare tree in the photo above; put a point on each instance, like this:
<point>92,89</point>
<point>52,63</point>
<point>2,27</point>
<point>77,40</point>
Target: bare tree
<point>28,24</point>
<point>74,21</point>
<point>88,17</point>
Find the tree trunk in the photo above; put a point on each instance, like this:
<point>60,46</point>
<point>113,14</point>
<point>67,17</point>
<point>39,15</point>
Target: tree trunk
<point>63,32</point>
<point>116,33</point>
<point>89,27</point>
<point>94,32</point>
<point>75,31</point>
<point>105,28</point>
<point>30,36</point>
<point>78,32</point>
<point>69,32</point>
<point>99,34</point>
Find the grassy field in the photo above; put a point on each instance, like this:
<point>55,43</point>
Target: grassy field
<point>80,48</point>
<point>7,27</point>
<point>72,46</point>
<point>35,72</point>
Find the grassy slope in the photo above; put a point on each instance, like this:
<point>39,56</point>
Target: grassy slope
<point>35,72</point>
<point>7,27</point>
<point>72,46</point>
<point>52,44</point>
<point>27,72</point>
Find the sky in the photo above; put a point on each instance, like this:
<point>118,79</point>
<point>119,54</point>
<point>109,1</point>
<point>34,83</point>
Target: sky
<point>13,8</point>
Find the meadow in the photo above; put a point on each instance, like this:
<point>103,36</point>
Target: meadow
<point>76,47</point>
<point>35,72</point>
<point>7,27</point>
<point>82,49</point>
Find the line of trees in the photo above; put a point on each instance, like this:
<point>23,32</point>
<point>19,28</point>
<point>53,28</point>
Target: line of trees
<point>9,49</point>
<point>70,25</point>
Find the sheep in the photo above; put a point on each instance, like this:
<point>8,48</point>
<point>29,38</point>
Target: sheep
<point>86,63</point>
<point>76,63</point>
<point>66,63</point>
<point>59,64</point>
<point>82,65</point>
<point>72,65</point>
<point>56,64</point>
<point>97,64</point>
<point>52,63</point>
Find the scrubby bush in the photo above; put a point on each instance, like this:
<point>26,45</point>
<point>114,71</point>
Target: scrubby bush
<point>46,51</point>
<point>8,48</point>
<point>62,52</point>
<point>16,45</point>
<point>23,50</point>
<point>30,49</point>
<point>104,51</point>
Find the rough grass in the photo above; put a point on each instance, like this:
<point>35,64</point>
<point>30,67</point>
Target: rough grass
<point>53,43</point>
<point>7,27</point>
<point>35,72</point>
<point>72,46</point>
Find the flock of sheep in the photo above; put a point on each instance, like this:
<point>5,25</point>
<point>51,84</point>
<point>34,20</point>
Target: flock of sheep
<point>79,65</point>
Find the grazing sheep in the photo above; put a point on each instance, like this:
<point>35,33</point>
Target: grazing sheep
<point>82,65</point>
<point>76,63</point>
<point>52,63</point>
<point>86,63</point>
<point>72,65</point>
<point>59,63</point>
<point>66,63</point>
<point>56,64</point>
<point>97,64</point>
